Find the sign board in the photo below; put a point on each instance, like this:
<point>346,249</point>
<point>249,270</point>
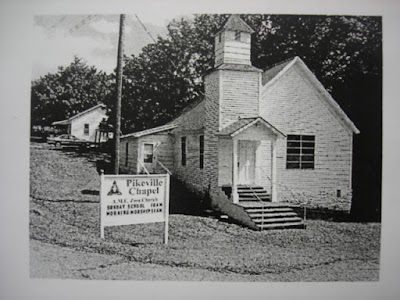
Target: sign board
<point>134,199</point>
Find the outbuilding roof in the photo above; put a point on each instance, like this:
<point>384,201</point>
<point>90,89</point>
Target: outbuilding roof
<point>66,122</point>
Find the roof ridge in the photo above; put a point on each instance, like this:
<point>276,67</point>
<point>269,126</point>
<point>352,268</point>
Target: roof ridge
<point>274,73</point>
<point>341,114</point>
<point>173,122</point>
<point>281,62</point>
<point>187,108</point>
<point>271,73</point>
<point>79,114</point>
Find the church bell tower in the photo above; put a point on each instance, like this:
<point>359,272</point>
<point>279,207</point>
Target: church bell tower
<point>232,42</point>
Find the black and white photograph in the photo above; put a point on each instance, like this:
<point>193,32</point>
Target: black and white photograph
<point>205,146</point>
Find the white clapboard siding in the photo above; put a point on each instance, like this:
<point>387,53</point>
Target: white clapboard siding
<point>230,51</point>
<point>212,87</point>
<point>294,106</point>
<point>239,97</point>
<point>93,119</point>
<point>191,127</point>
<point>225,161</point>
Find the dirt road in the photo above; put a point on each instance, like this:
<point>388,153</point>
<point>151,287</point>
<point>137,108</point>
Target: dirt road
<point>52,261</point>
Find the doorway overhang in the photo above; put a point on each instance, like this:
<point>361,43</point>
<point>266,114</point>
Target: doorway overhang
<point>262,130</point>
<point>251,129</point>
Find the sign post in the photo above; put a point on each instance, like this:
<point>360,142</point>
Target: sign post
<point>166,210</point>
<point>134,199</point>
<point>101,222</point>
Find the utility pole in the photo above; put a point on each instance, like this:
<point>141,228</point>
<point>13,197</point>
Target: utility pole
<point>120,66</point>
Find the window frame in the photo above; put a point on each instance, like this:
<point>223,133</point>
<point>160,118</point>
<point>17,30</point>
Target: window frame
<point>300,152</point>
<point>126,154</point>
<point>144,153</point>
<point>86,129</point>
<point>183,151</point>
<point>201,152</point>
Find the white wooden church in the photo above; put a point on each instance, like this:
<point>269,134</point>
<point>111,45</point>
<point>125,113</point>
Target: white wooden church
<point>257,143</point>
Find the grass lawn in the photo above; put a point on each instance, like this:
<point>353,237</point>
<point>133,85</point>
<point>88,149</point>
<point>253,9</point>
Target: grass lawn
<point>64,211</point>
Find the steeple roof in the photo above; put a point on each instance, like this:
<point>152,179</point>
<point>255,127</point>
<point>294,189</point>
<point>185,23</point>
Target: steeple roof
<point>235,23</point>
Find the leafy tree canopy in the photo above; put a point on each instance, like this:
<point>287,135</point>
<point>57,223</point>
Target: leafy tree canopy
<point>167,74</point>
<point>344,52</point>
<point>72,89</point>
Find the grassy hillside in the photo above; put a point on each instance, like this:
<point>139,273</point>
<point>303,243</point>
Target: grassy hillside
<point>64,211</point>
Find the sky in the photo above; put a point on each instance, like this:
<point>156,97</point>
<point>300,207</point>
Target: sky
<point>94,38</point>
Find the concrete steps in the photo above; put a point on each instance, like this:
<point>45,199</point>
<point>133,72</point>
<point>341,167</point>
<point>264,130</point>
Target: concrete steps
<point>287,225</point>
<point>253,193</point>
<point>266,214</point>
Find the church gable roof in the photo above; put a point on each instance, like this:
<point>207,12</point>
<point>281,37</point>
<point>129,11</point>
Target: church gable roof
<point>273,71</point>
<point>187,109</point>
<point>274,74</point>
<point>168,126</point>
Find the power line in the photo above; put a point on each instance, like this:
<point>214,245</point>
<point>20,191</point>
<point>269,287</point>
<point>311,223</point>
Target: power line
<point>58,22</point>
<point>144,27</point>
<point>176,68</point>
<point>80,24</point>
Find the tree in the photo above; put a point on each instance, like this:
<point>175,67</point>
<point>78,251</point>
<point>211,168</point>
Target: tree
<point>344,52</point>
<point>168,73</point>
<point>71,90</point>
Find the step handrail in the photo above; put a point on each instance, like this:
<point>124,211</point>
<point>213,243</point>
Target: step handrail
<point>164,167</point>
<point>300,203</point>
<point>143,167</point>
<point>262,205</point>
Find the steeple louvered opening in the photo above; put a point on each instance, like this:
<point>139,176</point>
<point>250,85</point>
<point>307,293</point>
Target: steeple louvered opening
<point>232,42</point>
